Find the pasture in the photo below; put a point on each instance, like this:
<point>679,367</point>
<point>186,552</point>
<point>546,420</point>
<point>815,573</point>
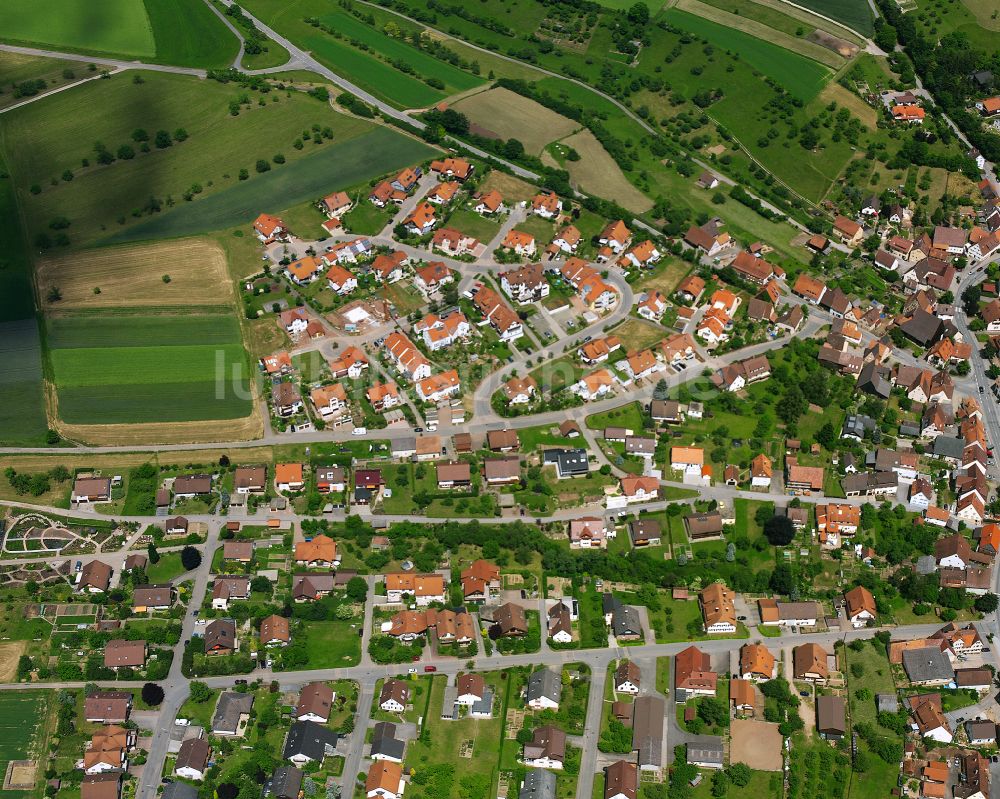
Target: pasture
<point>597,172</point>
<point>974,18</point>
<point>509,115</point>
<point>133,276</point>
<point>139,369</point>
<point>48,137</point>
<point>802,77</point>
<point>343,164</point>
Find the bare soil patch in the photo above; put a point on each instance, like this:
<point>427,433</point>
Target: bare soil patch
<point>830,42</point>
<point>133,276</point>
<point>756,743</point>
<point>10,653</point>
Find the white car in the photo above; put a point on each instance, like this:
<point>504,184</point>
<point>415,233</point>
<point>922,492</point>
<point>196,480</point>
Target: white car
<point>359,431</point>
<point>411,671</point>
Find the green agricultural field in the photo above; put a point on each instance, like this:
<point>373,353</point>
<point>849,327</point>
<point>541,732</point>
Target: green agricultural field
<point>854,14</point>
<point>111,26</point>
<point>82,330</point>
<point>22,715</point>
<point>802,77</point>
<point>180,32</point>
<point>344,164</point>
<point>145,381</point>
<point>44,139</point>
<point>202,41</point>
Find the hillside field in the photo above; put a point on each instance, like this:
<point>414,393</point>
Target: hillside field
<point>55,134</point>
<point>180,32</point>
<point>854,14</point>
<point>123,368</point>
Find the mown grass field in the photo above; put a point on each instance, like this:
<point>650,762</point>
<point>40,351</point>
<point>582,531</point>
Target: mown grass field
<point>137,368</point>
<point>344,164</point>
<point>22,402</point>
<point>52,135</point>
<point>180,32</point>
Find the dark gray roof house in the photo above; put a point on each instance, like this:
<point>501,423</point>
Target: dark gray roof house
<point>949,447</point>
<point>308,741</point>
<point>231,706</point>
<point>385,743</point>
<point>872,380</point>
<point>887,703</point>
<point>856,425</point>
<point>543,684</point>
<point>928,666</point>
<point>625,622</point>
<point>284,783</point>
<point>707,751</point>
<point>538,783</point>
<point>981,731</point>
<point>179,790</point>
<point>568,462</point>
<point>647,730</point>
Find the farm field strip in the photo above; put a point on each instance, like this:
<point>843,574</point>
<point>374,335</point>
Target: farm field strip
<point>69,331</point>
<point>137,366</point>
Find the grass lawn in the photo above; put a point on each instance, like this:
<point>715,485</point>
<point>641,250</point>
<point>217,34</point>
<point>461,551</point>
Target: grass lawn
<point>663,683</point>
<point>365,218</point>
<point>556,375</point>
<point>436,753</point>
<point>311,365</point>
<point>22,719</point>
<point>542,229</point>
<point>332,644</point>
<point>638,334</point>
<point>472,224</point>
<point>166,569</point>
<point>628,416</point>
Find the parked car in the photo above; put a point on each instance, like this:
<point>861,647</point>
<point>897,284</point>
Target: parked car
<point>435,668</point>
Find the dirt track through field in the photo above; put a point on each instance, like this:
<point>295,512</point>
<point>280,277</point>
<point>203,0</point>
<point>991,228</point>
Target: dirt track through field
<point>133,276</point>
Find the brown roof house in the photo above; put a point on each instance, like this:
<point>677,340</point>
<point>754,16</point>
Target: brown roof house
<point>121,654</point>
<point>809,662</point>
<point>95,577</point>
<point>275,631</point>
<point>220,637</point>
<point>509,620</point>
<point>107,707</point>
<point>395,696</point>
<point>831,718</point>
<point>693,675</point>
<point>315,703</point>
